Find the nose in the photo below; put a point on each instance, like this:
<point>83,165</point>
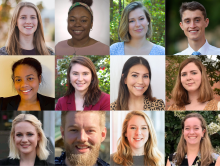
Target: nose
<point>24,83</point>
<point>24,139</point>
<point>28,20</point>
<point>82,136</point>
<point>138,131</point>
<point>188,76</point>
<point>137,23</point>
<point>140,80</point>
<point>192,24</point>
<point>80,78</point>
<point>191,131</point>
<point>77,23</point>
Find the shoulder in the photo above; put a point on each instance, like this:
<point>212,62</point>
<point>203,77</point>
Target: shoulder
<point>102,162</point>
<point>174,107</point>
<point>45,97</point>
<point>43,163</point>
<point>157,50</point>
<point>50,51</point>
<point>3,51</point>
<point>213,50</point>
<point>184,52</point>
<point>60,160</point>
<point>61,43</point>
<point>113,105</point>
<point>157,104</point>
<point>104,101</point>
<point>102,44</point>
<point>46,103</point>
<point>10,103</point>
<point>212,105</point>
<point>9,161</point>
<point>117,48</point>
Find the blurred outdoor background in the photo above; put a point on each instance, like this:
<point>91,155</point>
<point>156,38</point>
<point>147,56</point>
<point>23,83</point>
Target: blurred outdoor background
<point>155,7</point>
<point>47,9</point>
<point>176,40</point>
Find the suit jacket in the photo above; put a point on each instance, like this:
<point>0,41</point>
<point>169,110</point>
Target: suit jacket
<point>67,103</point>
<point>12,103</point>
<point>16,162</point>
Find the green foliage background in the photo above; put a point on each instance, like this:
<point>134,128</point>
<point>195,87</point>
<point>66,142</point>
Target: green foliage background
<point>173,129</point>
<point>102,64</point>
<point>157,10</point>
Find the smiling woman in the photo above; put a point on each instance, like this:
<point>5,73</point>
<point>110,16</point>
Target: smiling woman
<point>26,35</point>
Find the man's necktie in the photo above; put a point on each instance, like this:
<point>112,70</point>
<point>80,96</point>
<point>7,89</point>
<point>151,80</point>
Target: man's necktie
<point>196,53</point>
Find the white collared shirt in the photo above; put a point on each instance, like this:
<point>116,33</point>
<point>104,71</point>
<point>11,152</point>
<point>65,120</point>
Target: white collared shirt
<point>206,49</point>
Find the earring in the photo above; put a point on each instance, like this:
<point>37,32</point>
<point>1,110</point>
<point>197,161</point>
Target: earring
<point>91,29</point>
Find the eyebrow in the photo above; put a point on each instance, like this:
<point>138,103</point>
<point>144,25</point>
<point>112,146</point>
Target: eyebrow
<point>80,72</point>
<point>138,17</point>
<point>192,18</point>
<point>70,126</point>
<point>137,73</point>
<point>25,76</point>
<point>27,15</point>
<point>76,17</point>
<point>189,71</point>
<point>136,125</point>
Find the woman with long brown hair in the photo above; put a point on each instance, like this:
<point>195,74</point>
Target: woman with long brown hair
<point>192,90</point>
<point>26,35</point>
<point>194,147</point>
<point>138,142</point>
<point>83,92</point>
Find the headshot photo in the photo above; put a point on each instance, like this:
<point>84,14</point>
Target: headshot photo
<point>137,138</point>
<point>192,27</point>
<point>83,138</point>
<point>81,85</point>
<point>27,138</point>
<point>82,27</point>
<point>190,84</point>
<point>137,27</point>
<point>27,83</point>
<point>137,83</point>
<point>192,138</point>
<point>27,28</point>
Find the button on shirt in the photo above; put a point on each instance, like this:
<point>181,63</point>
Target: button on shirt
<point>206,49</point>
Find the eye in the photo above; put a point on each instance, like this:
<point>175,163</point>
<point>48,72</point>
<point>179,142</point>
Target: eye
<point>186,128</point>
<point>91,131</point>
<point>75,73</point>
<point>144,128</point>
<point>18,80</point>
<point>72,20</point>
<point>30,79</point>
<point>84,20</point>
<point>131,21</point>
<point>18,135</point>
<point>135,75</point>
<point>73,130</point>
<point>146,76</point>
<point>197,20</point>
<point>30,134</point>
<point>85,74</point>
<point>33,17</point>
<point>142,18</point>
<point>23,17</point>
<point>184,74</point>
<point>133,127</point>
<point>194,73</point>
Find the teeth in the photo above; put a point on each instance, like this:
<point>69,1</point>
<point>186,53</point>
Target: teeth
<point>138,139</point>
<point>82,147</point>
<point>193,31</point>
<point>192,137</point>
<point>27,90</point>
<point>139,87</point>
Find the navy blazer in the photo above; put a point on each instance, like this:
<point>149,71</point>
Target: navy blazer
<point>12,103</point>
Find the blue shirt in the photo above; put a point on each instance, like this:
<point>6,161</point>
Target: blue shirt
<point>118,49</point>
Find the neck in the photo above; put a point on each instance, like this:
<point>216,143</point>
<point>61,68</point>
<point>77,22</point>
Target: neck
<point>80,43</point>
<point>137,42</point>
<point>28,159</point>
<point>79,95</point>
<point>193,97</point>
<point>135,101</point>
<point>192,149</point>
<point>29,102</point>
<point>197,44</point>
<point>26,42</point>
<point>138,152</point>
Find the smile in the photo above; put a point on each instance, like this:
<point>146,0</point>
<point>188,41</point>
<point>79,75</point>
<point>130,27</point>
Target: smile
<point>139,88</point>
<point>77,32</point>
<point>25,146</point>
<point>28,27</point>
<point>26,91</point>
<point>82,148</point>
<point>138,30</point>
<point>192,137</point>
<point>137,139</point>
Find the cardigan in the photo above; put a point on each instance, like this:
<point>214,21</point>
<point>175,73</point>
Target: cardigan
<point>12,103</point>
<point>16,162</point>
<point>67,103</point>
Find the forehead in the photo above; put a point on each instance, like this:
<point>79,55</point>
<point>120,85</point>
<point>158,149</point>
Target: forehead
<point>21,70</point>
<point>137,120</point>
<point>27,11</point>
<point>193,121</point>
<point>83,120</point>
<point>189,14</point>
<point>139,69</point>
<point>80,11</point>
<point>190,66</point>
<point>80,68</point>
<point>136,13</point>
<point>24,127</point>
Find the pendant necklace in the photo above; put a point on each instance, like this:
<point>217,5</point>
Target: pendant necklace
<point>81,46</point>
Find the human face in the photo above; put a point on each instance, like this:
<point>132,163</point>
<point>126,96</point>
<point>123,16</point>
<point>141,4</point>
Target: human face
<point>191,77</point>
<point>137,80</point>
<point>26,138</point>
<point>138,23</point>
<point>193,131</point>
<point>193,24</point>
<point>26,82</point>
<point>79,23</point>
<point>82,137</point>
<point>27,21</point>
<point>80,77</point>
<point>137,133</point>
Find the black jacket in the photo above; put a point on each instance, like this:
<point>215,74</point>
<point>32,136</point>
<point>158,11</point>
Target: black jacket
<point>16,162</point>
<point>12,103</point>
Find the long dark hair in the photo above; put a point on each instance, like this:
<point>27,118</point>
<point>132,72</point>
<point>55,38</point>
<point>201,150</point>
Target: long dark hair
<point>123,93</point>
<point>93,93</point>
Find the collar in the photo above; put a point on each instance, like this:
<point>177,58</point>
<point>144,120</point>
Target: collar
<point>203,50</point>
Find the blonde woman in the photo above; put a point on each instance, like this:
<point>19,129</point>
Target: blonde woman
<point>27,142</point>
<point>134,29</point>
<point>138,143</point>
<point>194,147</point>
<point>26,35</point>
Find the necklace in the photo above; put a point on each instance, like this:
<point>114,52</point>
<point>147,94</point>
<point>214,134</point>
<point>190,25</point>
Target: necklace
<point>138,154</point>
<point>81,46</point>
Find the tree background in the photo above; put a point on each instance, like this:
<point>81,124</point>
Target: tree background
<point>176,40</point>
<point>102,64</point>
<point>173,128</point>
<point>155,7</point>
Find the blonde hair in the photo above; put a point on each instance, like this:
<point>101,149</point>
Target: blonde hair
<point>124,23</point>
<point>152,156</point>
<point>41,150</point>
<point>13,45</point>
<point>206,148</point>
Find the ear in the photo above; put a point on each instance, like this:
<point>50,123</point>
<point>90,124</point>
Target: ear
<point>203,132</point>
<point>103,134</point>
<point>125,134</point>
<point>206,22</point>
<point>38,137</point>
<point>125,80</point>
<point>40,79</point>
<point>62,131</point>
<point>91,25</point>
<point>181,25</point>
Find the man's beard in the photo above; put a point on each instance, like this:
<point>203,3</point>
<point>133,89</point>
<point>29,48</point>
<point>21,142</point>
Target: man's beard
<point>86,159</point>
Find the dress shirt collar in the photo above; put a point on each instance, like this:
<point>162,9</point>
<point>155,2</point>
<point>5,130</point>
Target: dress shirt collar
<point>202,50</point>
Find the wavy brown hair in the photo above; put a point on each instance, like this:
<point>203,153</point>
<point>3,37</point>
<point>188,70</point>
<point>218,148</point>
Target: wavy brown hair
<point>93,93</point>
<point>123,93</point>
<point>206,148</point>
<point>152,156</point>
<point>180,94</point>
<point>13,45</point>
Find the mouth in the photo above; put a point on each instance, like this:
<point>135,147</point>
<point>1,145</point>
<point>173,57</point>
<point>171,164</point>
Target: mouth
<point>80,84</point>
<point>193,31</point>
<point>137,139</point>
<point>82,148</point>
<point>139,87</point>
<point>138,30</point>
<point>28,27</point>
<point>194,137</point>
<point>26,91</point>
<point>77,32</point>
<point>190,84</point>
<point>25,146</point>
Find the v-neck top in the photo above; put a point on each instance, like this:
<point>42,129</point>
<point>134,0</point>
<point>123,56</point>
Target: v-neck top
<point>195,162</point>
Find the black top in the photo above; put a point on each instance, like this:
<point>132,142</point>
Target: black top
<point>12,103</point>
<point>16,162</point>
<point>29,52</point>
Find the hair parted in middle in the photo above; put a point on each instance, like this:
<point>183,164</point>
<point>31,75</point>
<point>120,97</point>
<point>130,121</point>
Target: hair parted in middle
<point>123,93</point>
<point>206,148</point>
<point>152,156</point>
<point>124,23</point>
<point>41,150</point>
<point>93,93</point>
<point>180,94</point>
<point>13,45</point>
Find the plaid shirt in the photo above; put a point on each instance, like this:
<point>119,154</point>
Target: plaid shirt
<point>60,161</point>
